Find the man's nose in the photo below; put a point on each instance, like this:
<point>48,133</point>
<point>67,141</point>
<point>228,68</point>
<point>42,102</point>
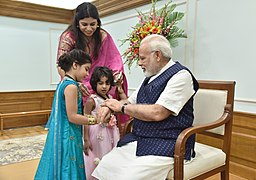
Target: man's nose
<point>139,62</point>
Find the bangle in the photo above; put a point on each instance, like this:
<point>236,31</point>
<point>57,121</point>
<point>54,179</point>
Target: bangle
<point>91,119</point>
<point>122,108</point>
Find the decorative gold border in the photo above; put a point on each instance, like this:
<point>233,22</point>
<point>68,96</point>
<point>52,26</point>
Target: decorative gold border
<point>26,10</point>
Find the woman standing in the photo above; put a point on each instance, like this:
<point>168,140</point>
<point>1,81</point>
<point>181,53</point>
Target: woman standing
<point>85,33</point>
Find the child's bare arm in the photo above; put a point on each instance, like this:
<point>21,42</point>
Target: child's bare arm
<point>121,93</point>
<point>70,93</point>
<point>120,90</point>
<point>118,78</point>
<point>88,107</point>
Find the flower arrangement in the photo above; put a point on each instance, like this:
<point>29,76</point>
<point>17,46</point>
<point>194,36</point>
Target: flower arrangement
<point>161,21</point>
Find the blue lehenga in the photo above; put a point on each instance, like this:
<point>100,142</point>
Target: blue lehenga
<point>62,158</point>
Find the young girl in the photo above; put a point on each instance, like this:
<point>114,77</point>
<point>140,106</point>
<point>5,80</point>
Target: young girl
<point>101,138</point>
<point>62,157</point>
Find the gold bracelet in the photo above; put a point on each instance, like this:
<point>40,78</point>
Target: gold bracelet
<point>91,119</point>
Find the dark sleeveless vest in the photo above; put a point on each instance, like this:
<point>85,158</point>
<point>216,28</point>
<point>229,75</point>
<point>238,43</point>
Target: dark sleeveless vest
<point>158,138</point>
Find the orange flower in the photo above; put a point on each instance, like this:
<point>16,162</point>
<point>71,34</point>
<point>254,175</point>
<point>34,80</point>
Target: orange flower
<point>147,29</point>
<point>143,35</point>
<point>155,30</point>
<point>136,51</point>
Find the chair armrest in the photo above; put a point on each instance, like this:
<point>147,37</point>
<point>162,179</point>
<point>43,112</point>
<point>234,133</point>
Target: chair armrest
<point>127,128</point>
<point>185,134</point>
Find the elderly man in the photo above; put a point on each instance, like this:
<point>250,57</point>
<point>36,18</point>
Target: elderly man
<point>162,107</point>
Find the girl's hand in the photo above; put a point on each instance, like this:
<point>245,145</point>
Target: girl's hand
<point>112,121</point>
<point>85,91</point>
<point>113,104</point>
<point>87,146</point>
<point>118,78</point>
<point>103,115</point>
<point>97,120</point>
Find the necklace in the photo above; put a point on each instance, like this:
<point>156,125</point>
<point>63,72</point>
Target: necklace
<point>69,77</point>
<point>102,96</point>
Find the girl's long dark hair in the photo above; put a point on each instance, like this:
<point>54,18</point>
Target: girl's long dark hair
<point>86,10</point>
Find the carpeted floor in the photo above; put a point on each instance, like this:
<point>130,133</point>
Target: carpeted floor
<point>21,149</point>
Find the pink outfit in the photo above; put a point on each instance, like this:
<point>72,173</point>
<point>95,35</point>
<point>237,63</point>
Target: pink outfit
<point>108,56</point>
<point>102,137</point>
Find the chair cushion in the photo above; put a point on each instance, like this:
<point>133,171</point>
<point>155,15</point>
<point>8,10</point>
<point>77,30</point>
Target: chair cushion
<point>209,106</point>
<point>207,158</point>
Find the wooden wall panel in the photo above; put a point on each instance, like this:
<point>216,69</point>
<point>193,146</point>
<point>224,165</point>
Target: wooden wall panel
<point>22,102</point>
<point>24,121</point>
<point>243,142</point>
<point>108,7</point>
<point>51,14</point>
<point>243,145</point>
<point>242,170</point>
<point>8,107</point>
<point>35,12</point>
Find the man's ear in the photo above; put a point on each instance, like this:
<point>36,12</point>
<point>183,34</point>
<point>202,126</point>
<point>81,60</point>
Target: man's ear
<point>158,55</point>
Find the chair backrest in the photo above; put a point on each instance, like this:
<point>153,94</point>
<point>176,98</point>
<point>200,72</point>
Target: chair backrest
<point>208,106</point>
<point>210,102</point>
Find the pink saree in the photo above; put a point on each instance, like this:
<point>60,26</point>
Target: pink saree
<point>108,56</point>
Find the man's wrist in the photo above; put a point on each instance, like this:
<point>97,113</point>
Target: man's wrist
<point>123,107</point>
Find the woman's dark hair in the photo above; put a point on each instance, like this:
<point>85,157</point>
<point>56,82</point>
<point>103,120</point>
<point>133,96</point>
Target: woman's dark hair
<point>76,55</point>
<point>86,10</point>
<point>98,73</point>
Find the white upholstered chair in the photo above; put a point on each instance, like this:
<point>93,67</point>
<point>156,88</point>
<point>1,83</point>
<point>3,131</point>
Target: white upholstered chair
<point>213,110</point>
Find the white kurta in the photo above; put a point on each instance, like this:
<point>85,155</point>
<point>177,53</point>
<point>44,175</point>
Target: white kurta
<point>122,163</point>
